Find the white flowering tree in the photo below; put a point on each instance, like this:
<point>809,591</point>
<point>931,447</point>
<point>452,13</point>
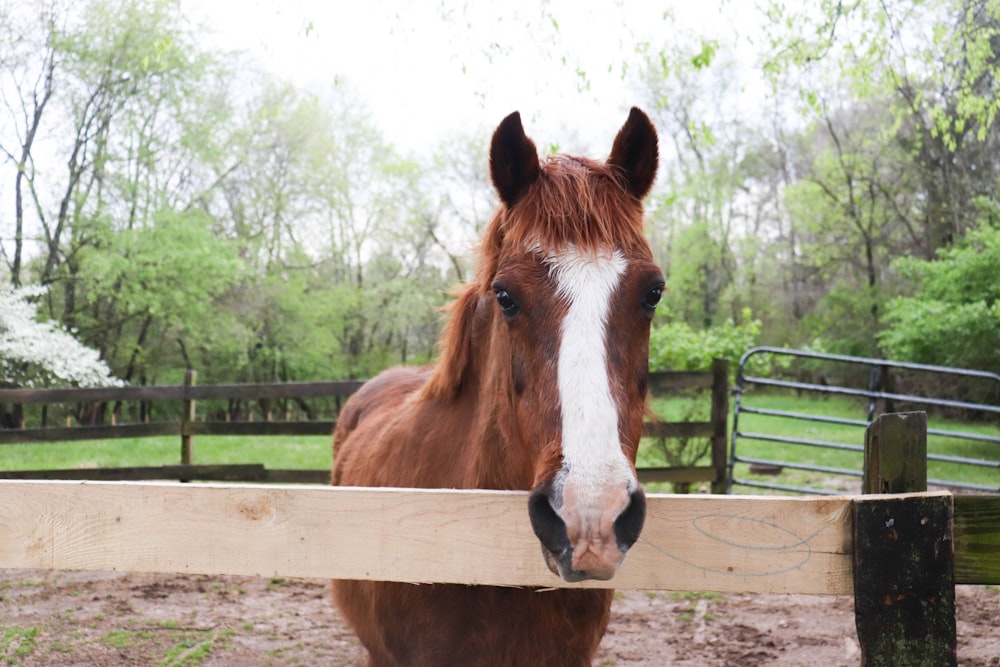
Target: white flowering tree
<point>43,354</point>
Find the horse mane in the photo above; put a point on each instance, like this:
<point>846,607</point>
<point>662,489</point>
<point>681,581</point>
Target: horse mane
<point>574,202</point>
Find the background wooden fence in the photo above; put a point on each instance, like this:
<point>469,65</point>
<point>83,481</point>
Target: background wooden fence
<point>113,404</point>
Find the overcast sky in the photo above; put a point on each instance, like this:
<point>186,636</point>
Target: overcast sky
<point>430,68</point>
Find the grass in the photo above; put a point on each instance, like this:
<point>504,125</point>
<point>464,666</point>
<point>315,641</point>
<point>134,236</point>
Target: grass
<point>188,652</point>
<point>692,598</point>
<point>125,638</point>
<point>314,452</point>
<point>16,642</point>
<point>302,452</point>
<point>189,648</point>
<point>839,407</point>
<point>848,408</point>
<point>277,583</point>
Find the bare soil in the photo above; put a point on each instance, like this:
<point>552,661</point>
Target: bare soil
<point>59,619</point>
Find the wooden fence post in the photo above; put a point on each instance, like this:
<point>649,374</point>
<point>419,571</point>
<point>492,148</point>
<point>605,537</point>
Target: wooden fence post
<point>904,574</point>
<point>187,417</point>
<point>896,454</point>
<point>719,418</point>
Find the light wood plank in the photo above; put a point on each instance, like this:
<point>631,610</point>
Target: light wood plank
<point>705,543</point>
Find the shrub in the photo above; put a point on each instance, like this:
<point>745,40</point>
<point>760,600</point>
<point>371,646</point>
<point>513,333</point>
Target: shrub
<point>677,347</point>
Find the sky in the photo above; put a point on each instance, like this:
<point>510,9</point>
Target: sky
<point>430,69</point>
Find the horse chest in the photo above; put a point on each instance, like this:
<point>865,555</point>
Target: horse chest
<point>479,626</point>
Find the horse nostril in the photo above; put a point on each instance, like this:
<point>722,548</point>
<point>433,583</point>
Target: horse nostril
<point>628,525</point>
<point>548,526</point>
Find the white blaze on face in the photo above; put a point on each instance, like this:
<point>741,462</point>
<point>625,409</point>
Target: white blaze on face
<point>593,461</point>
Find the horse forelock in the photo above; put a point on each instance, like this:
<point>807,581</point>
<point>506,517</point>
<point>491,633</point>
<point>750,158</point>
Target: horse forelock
<point>575,202</point>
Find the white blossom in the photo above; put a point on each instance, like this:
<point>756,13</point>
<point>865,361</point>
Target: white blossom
<point>43,354</point>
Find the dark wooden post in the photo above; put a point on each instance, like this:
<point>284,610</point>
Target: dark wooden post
<point>187,416</point>
<point>896,454</point>
<point>719,419</point>
<point>904,577</point>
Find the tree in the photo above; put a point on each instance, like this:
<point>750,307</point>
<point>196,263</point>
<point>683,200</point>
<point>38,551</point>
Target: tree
<point>697,216</point>
<point>158,296</point>
<point>338,229</point>
<point>933,66</point>
<point>27,69</point>
<point>37,353</point>
<point>133,110</point>
<point>952,317</point>
<point>135,87</point>
<point>459,183</point>
<point>851,208</point>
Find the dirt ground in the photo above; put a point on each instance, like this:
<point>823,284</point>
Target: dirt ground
<point>59,619</point>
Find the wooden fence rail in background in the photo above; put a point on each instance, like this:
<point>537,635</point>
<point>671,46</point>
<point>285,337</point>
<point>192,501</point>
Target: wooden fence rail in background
<point>187,426</point>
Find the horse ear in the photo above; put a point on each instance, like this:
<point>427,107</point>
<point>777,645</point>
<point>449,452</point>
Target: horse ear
<point>514,162</point>
<point>634,153</point>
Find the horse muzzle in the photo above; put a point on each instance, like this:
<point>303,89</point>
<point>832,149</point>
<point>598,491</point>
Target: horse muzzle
<point>589,541</point>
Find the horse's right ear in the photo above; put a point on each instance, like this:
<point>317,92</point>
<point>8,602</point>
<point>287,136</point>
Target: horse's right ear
<point>514,162</point>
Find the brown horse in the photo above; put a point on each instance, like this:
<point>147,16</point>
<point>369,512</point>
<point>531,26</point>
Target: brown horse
<point>540,385</point>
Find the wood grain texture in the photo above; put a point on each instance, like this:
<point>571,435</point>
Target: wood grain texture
<point>896,453</point>
<point>701,543</point>
<point>904,599</point>
<point>977,539</point>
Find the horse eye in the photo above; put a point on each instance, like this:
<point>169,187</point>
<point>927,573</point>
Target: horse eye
<point>652,298</point>
<point>506,302</point>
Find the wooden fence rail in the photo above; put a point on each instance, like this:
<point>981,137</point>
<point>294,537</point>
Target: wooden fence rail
<point>690,543</point>
<point>751,544</point>
<point>187,426</point>
<point>697,542</point>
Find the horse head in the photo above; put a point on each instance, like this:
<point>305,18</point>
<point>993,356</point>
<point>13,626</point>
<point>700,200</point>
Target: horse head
<point>573,289</point>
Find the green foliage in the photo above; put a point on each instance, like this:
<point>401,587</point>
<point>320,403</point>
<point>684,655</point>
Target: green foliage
<point>170,269</point>
<point>939,58</point>
<point>679,347</point>
<point>965,273</point>
<point>844,319</point>
<point>156,290</point>
<point>966,335</point>
<point>189,212</point>
<point>953,316</point>
<point>845,212</point>
<point>704,57</point>
<point>692,288</point>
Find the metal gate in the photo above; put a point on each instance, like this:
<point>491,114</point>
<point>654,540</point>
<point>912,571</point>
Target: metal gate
<point>818,375</point>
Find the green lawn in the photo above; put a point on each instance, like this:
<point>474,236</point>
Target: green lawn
<point>296,452</point>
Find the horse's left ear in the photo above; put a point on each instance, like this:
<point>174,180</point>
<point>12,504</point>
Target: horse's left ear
<point>514,162</point>
<point>634,153</point>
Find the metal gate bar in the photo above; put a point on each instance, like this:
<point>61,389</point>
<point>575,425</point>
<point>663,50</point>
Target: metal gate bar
<point>825,444</point>
<point>874,392</point>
